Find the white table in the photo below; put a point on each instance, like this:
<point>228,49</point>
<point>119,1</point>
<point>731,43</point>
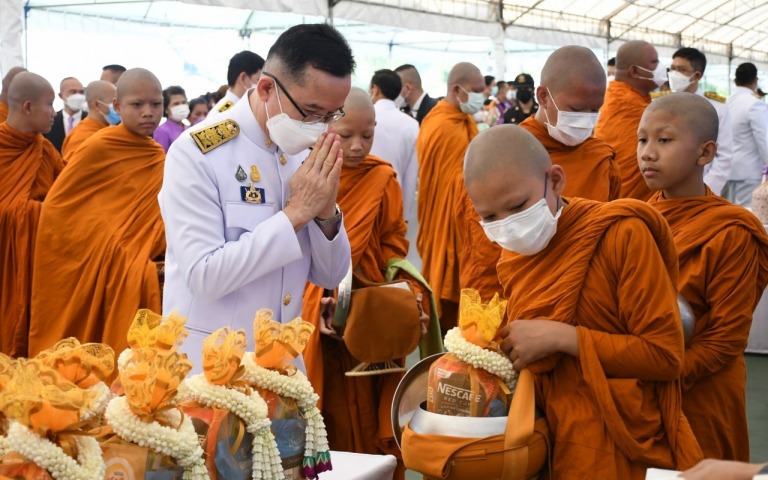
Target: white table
<point>359,466</point>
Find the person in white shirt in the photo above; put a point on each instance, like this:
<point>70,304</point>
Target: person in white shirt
<point>395,136</point>
<point>684,74</point>
<point>749,119</point>
<point>250,214</point>
<point>242,74</point>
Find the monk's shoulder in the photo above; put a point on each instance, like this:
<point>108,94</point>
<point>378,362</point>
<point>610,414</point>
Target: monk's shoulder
<point>212,136</point>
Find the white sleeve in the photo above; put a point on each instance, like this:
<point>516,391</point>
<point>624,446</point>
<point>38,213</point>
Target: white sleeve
<point>411,173</point>
<point>718,171</point>
<point>330,258</point>
<point>758,121</point>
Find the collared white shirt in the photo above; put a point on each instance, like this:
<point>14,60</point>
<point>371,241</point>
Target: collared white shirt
<point>226,258</point>
<point>415,108</point>
<point>717,171</point>
<point>749,121</point>
<point>394,140</point>
<point>222,105</point>
<point>77,116</point>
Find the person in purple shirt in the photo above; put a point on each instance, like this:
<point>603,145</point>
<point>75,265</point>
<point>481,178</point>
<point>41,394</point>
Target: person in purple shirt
<point>176,110</point>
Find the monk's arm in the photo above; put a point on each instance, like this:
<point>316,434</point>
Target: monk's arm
<point>731,275</point>
<point>651,346</point>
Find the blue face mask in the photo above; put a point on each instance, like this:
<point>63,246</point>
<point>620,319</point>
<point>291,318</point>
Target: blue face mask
<point>112,118</point>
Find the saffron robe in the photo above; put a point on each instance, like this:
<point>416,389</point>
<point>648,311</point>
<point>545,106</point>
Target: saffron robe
<point>82,131</point>
<point>3,111</point>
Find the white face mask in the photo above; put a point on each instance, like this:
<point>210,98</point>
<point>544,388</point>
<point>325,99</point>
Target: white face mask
<point>678,82</point>
<point>75,101</point>
<point>400,102</point>
<point>510,95</point>
<point>292,136</point>
<point>527,232</point>
<point>473,104</point>
<point>572,128</point>
<point>611,78</point>
<point>659,75</point>
<point>179,112</point>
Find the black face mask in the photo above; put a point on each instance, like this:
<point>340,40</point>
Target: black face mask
<point>524,95</point>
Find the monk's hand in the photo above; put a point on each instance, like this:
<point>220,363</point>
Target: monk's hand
<point>721,470</point>
<point>423,317</point>
<point>316,182</point>
<point>327,311</point>
<point>526,341</point>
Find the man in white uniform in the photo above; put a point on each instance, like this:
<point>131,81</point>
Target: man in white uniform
<point>242,74</point>
<point>749,119</point>
<point>250,213</point>
<point>395,136</point>
<point>687,69</point>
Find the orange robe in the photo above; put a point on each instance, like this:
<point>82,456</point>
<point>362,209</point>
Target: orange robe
<point>357,409</point>
<point>590,172</point>
<point>100,229</point>
<point>29,164</point>
<point>82,131</point>
<point>723,271</point>
<point>443,140</point>
<point>617,126</point>
<point>3,111</point>
<point>616,409</point>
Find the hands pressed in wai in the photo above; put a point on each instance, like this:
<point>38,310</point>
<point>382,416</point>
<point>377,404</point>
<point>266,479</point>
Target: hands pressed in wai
<point>316,182</point>
<point>526,341</point>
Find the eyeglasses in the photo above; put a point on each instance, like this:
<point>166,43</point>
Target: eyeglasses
<point>312,117</point>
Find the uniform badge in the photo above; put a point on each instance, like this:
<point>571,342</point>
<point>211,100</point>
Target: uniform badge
<point>240,174</point>
<point>226,106</point>
<point>252,194</point>
<point>268,143</point>
<point>217,134</point>
<point>283,160</point>
<point>255,175</point>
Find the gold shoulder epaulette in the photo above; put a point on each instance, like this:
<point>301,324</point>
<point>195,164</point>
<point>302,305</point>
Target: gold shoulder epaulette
<point>659,94</point>
<point>217,134</point>
<point>226,106</point>
<point>714,96</point>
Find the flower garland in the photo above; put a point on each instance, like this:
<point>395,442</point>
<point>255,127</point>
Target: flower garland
<point>317,457</point>
<point>252,409</point>
<point>123,359</point>
<point>104,395</point>
<point>5,446</point>
<point>182,444</point>
<point>48,455</point>
<point>478,357</point>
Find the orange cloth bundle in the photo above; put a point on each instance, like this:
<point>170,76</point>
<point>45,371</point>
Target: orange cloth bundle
<point>474,379</point>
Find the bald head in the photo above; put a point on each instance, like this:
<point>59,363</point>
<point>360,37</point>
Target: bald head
<point>7,81</point>
<point>693,112</point>
<point>30,103</point>
<point>463,79</point>
<point>633,52</point>
<point>570,65</point>
<point>464,72</point>
<point>636,62</point>
<point>504,149</point>
<point>100,90</point>
<point>27,86</point>
<point>139,101</point>
<point>133,79</point>
<point>357,128</point>
<point>359,101</point>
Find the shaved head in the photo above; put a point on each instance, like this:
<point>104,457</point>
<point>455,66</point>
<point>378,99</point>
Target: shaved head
<point>27,86</point>
<point>356,129</point>
<point>30,103</point>
<point>504,149</point>
<point>633,52</point>
<point>694,111</point>
<point>359,100</point>
<point>569,65</point>
<point>100,90</point>
<point>135,77</point>
<point>463,79</point>
<point>139,101</point>
<point>462,73</point>
<point>7,81</point>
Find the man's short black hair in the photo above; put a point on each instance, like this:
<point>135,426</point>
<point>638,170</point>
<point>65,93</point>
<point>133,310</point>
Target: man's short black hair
<point>168,93</point>
<point>746,74</point>
<point>612,62</point>
<point>316,45</point>
<point>114,68</point>
<point>245,61</point>
<point>388,82</point>
<point>489,80</point>
<point>697,59</point>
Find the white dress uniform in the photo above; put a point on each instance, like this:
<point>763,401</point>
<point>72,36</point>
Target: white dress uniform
<point>227,101</point>
<point>228,258</point>
<point>717,171</point>
<point>749,122</point>
<point>395,141</point>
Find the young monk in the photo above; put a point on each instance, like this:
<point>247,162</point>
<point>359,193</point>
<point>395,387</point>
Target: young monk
<point>28,166</point>
<point>99,95</point>
<point>723,252</point>
<point>101,230</point>
<point>4,91</point>
<point>573,82</point>
<point>592,311</point>
<point>357,409</point>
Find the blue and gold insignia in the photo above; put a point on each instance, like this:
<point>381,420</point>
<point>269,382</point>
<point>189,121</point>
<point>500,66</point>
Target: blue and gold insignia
<point>226,106</point>
<point>211,137</point>
<point>714,96</point>
<point>252,194</point>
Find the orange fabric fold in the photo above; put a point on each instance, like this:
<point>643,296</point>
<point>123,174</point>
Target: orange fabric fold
<point>82,131</point>
<point>723,272</point>
<point>3,112</point>
<point>443,140</point>
<point>617,126</point>
<point>100,229</point>
<point>610,270</point>
<point>29,164</point>
<point>372,202</point>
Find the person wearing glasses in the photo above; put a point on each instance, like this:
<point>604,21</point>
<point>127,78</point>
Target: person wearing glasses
<point>250,212</point>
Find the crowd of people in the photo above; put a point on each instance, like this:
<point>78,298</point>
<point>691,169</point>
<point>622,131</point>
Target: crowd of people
<point>587,202</point>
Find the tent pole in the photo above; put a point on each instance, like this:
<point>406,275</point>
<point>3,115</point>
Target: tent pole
<point>330,12</point>
<point>26,35</point>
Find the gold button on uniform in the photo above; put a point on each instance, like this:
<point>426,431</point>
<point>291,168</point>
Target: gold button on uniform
<point>287,299</point>
<point>283,160</point>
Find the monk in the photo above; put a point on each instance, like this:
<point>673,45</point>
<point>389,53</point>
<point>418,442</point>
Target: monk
<point>28,166</point>
<point>638,71</point>
<point>592,311</point>
<point>443,138</point>
<point>572,81</point>
<point>101,230</point>
<point>357,409</point>
<point>99,95</point>
<point>4,92</point>
<point>723,252</point>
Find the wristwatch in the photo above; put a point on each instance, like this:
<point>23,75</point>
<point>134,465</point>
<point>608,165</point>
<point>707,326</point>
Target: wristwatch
<point>332,220</point>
